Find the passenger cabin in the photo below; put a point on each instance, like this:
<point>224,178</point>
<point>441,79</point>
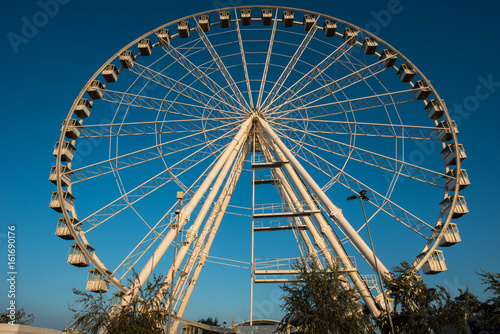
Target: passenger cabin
<point>330,28</point>
<point>183,29</point>
<point>370,45</point>
<point>97,282</point>
<point>77,257</point>
<point>225,19</point>
<point>460,207</point>
<point>435,264</point>
<point>73,129</point>
<point>62,229</point>
<point>110,73</point>
<point>422,90</point>
<point>127,59</point>
<point>246,17</point>
<point>406,73</point>
<point>445,130</point>
<point>204,22</point>
<point>163,37</point>
<point>434,109</point>
<point>452,181</point>
<point>95,90</point>
<point>389,57</point>
<point>449,154</point>
<point>450,236</point>
<point>350,36</point>
<point>66,202</point>
<point>117,298</point>
<point>267,17</point>
<point>308,21</point>
<point>288,17</point>
<point>145,47</point>
<point>83,108</point>
<point>67,151</point>
<point>65,173</point>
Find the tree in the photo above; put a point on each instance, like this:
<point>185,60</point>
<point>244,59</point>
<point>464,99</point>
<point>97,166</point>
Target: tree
<point>209,321</point>
<point>491,308</point>
<point>321,301</point>
<point>422,309</point>
<point>18,317</point>
<point>458,311</point>
<point>143,315</point>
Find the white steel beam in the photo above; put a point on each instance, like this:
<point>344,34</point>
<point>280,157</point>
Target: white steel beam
<point>271,97</point>
<point>291,197</point>
<point>334,212</point>
<point>186,211</point>
<point>192,232</point>
<point>325,227</point>
<point>201,251</point>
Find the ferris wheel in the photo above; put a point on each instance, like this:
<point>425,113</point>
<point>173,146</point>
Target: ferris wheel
<point>309,108</point>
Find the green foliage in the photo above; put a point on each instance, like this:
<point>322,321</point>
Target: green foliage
<point>209,321</point>
<point>457,311</point>
<point>490,310</point>
<point>19,317</point>
<point>321,302</point>
<point>422,309</point>
<point>143,315</point>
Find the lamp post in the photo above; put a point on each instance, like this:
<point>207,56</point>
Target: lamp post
<point>362,197</point>
<point>180,195</point>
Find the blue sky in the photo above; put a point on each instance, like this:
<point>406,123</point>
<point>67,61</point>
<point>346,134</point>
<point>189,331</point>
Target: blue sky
<point>44,71</point>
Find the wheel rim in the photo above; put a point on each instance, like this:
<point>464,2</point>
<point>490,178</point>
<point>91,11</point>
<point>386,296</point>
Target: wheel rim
<point>204,86</point>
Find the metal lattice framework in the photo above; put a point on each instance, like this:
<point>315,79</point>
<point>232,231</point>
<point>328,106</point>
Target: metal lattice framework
<point>309,107</point>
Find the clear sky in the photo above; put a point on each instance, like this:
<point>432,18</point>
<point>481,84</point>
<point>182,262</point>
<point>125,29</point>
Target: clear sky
<point>44,71</point>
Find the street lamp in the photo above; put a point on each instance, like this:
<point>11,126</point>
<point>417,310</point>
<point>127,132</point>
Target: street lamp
<point>180,195</point>
<point>362,197</point>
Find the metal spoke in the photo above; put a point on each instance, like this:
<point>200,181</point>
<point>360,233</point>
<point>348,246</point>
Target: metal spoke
<point>182,89</point>
<point>382,203</point>
<point>153,103</point>
<point>363,103</point>
<point>209,83</point>
<point>289,67</point>
<point>156,182</point>
<point>146,154</point>
<point>309,77</point>
<point>398,131</point>
<point>147,128</point>
<point>266,66</point>
<point>244,62</point>
<point>330,87</point>
<point>157,231</point>
<point>367,157</point>
<point>222,67</point>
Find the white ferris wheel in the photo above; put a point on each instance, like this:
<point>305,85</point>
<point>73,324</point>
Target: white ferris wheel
<point>309,108</point>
